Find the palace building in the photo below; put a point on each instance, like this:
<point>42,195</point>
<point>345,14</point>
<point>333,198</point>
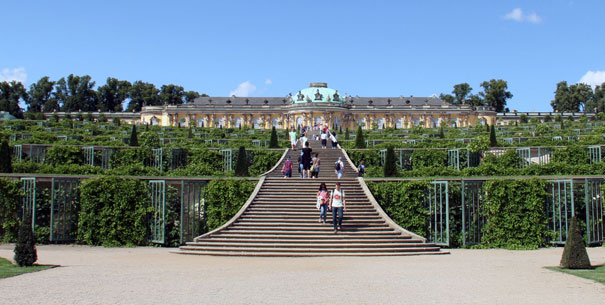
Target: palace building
<point>317,104</point>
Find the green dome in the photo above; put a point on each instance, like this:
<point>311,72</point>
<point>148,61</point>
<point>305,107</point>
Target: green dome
<point>317,93</point>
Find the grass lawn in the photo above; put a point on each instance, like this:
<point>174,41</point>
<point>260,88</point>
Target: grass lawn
<point>7,269</point>
<point>597,274</point>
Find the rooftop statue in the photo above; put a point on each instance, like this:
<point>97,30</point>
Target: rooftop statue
<point>300,96</point>
<point>318,96</point>
<point>336,97</point>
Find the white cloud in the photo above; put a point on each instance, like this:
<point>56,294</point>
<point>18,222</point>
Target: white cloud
<point>518,15</point>
<point>268,81</point>
<point>16,74</point>
<point>244,89</point>
<point>593,78</point>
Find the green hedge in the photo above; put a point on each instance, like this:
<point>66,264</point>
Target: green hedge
<point>113,212</point>
<point>515,213</point>
<point>403,201</point>
<point>224,197</point>
<point>10,200</point>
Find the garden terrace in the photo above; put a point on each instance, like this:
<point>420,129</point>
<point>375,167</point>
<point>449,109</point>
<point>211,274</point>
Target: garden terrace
<point>166,210</point>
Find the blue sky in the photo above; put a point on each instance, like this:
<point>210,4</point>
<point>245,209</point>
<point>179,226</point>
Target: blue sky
<point>272,48</point>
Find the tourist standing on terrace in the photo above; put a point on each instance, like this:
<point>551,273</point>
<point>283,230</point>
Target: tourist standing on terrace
<point>338,206</point>
<point>323,202</point>
<point>287,170</point>
<point>306,160</point>
<point>292,135</point>
<point>315,166</point>
<point>324,139</point>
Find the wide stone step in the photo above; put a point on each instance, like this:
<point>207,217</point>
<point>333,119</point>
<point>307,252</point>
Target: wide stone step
<point>308,246</point>
<point>342,237</point>
<point>305,254</point>
<point>303,231</point>
<point>335,240</point>
<point>312,217</point>
<point>315,250</point>
<point>302,213</point>
<point>300,227</point>
<point>308,223</point>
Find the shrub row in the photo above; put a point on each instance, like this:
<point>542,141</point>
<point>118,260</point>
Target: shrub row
<point>514,211</point>
<point>115,211</point>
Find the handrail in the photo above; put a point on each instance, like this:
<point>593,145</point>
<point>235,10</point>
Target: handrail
<point>278,162</point>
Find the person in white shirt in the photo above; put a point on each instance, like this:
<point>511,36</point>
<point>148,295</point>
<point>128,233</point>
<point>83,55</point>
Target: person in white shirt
<point>334,140</point>
<point>324,140</point>
<point>303,140</point>
<point>337,206</point>
<point>292,135</point>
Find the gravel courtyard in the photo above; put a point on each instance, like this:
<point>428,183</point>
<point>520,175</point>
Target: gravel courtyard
<point>94,275</point>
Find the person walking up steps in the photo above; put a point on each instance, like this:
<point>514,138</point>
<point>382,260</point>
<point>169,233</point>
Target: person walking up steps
<point>292,135</point>
<point>361,169</point>
<point>306,160</point>
<point>303,140</point>
<point>287,170</point>
<point>300,165</point>
<point>315,166</point>
<point>334,140</point>
<point>338,167</point>
<point>338,206</point>
<point>324,139</point>
<point>323,201</point>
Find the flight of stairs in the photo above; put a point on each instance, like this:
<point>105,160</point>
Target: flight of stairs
<point>282,220</point>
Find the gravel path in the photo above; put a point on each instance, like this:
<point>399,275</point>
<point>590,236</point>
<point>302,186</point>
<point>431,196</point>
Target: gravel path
<point>93,275</point>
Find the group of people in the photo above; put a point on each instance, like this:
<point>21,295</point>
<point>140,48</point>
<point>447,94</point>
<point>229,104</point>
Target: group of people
<point>331,201</point>
<point>308,162</point>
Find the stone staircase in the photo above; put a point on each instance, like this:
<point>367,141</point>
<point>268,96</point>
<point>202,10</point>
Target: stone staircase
<point>280,219</point>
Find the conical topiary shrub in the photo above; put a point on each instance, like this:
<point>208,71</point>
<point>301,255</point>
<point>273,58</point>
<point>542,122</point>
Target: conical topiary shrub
<point>5,158</point>
<point>360,142</point>
<point>134,140</point>
<point>492,137</point>
<point>389,166</point>
<point>25,249</point>
<point>574,254</point>
<point>347,134</point>
<point>273,141</point>
<point>241,166</point>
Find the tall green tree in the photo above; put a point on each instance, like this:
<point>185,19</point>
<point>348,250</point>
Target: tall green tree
<point>495,93</point>
<point>273,143</point>
<point>172,95</point>
<point>360,142</point>
<point>389,166</point>
<point>597,103</point>
<point>447,97</point>
<point>40,96</point>
<point>572,98</point>
<point>461,92</point>
<point>76,93</point>
<point>143,94</point>
<point>241,165</point>
<point>11,94</point>
<point>134,140</point>
<point>6,165</point>
<point>25,248</point>
<point>190,96</point>
<point>113,94</point>
<point>492,137</point>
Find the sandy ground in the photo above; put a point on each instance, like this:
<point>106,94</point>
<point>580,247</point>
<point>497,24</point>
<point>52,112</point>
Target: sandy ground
<point>92,275</point>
